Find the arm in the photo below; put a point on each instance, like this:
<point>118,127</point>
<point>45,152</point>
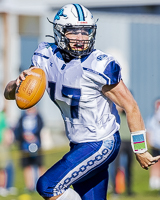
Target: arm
<point>120,95</point>
<point>9,92</point>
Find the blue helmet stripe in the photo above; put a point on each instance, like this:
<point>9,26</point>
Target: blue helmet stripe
<point>80,12</point>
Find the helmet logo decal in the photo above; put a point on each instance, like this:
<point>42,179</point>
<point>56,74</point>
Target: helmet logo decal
<point>59,14</point>
<point>79,12</point>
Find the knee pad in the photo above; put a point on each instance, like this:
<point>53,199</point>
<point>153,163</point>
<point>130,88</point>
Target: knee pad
<point>42,187</point>
<point>45,191</point>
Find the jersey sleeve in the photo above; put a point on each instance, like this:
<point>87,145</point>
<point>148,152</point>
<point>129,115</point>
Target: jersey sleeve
<point>112,72</point>
<point>41,55</point>
<point>104,70</point>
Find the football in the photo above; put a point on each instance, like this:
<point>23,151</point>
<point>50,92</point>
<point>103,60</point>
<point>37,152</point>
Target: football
<point>31,90</point>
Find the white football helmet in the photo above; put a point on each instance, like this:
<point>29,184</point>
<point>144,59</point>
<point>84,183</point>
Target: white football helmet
<point>74,16</point>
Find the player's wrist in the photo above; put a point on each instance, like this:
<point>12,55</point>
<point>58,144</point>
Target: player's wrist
<point>138,141</point>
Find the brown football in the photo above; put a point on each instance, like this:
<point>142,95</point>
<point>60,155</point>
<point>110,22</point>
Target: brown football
<point>31,90</point>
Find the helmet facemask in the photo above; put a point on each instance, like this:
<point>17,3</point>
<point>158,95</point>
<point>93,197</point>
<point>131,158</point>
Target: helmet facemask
<point>75,47</point>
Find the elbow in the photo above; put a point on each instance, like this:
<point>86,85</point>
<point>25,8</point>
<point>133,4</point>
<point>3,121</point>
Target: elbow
<point>6,94</point>
<point>9,92</point>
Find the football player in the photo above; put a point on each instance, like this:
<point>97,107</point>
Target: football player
<point>85,84</point>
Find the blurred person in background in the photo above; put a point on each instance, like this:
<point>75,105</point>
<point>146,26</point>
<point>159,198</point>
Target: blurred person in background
<point>153,138</point>
<point>27,133</point>
<point>6,164</point>
<point>85,84</point>
<point>121,168</point>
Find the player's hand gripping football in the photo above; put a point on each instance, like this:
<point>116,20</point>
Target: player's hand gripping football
<point>23,75</point>
<point>146,159</point>
<point>31,85</point>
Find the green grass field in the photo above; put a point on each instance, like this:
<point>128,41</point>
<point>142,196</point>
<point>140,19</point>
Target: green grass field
<point>140,179</point>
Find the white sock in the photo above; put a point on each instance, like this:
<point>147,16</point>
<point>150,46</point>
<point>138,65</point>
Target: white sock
<point>69,194</point>
<point>154,182</point>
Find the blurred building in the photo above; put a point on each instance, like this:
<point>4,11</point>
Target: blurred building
<point>129,30</point>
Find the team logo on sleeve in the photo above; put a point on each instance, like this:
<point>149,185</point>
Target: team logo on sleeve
<point>102,57</point>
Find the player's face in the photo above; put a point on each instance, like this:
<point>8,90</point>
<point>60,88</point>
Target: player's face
<point>78,38</point>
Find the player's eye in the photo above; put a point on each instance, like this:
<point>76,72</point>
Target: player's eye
<point>76,32</point>
<point>85,33</point>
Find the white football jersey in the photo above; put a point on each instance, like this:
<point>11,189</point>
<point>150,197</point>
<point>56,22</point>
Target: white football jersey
<point>76,88</point>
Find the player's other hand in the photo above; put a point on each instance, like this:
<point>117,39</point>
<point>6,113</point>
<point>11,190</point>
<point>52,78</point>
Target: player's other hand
<point>23,75</point>
<point>146,159</point>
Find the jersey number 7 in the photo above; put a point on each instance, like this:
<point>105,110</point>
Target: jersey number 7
<point>72,93</point>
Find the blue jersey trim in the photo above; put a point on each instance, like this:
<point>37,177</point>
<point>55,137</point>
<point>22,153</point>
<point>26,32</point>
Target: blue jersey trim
<point>79,12</point>
<point>56,50</point>
<point>41,55</point>
<point>58,54</point>
<point>113,71</point>
<point>86,56</point>
<point>95,72</point>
